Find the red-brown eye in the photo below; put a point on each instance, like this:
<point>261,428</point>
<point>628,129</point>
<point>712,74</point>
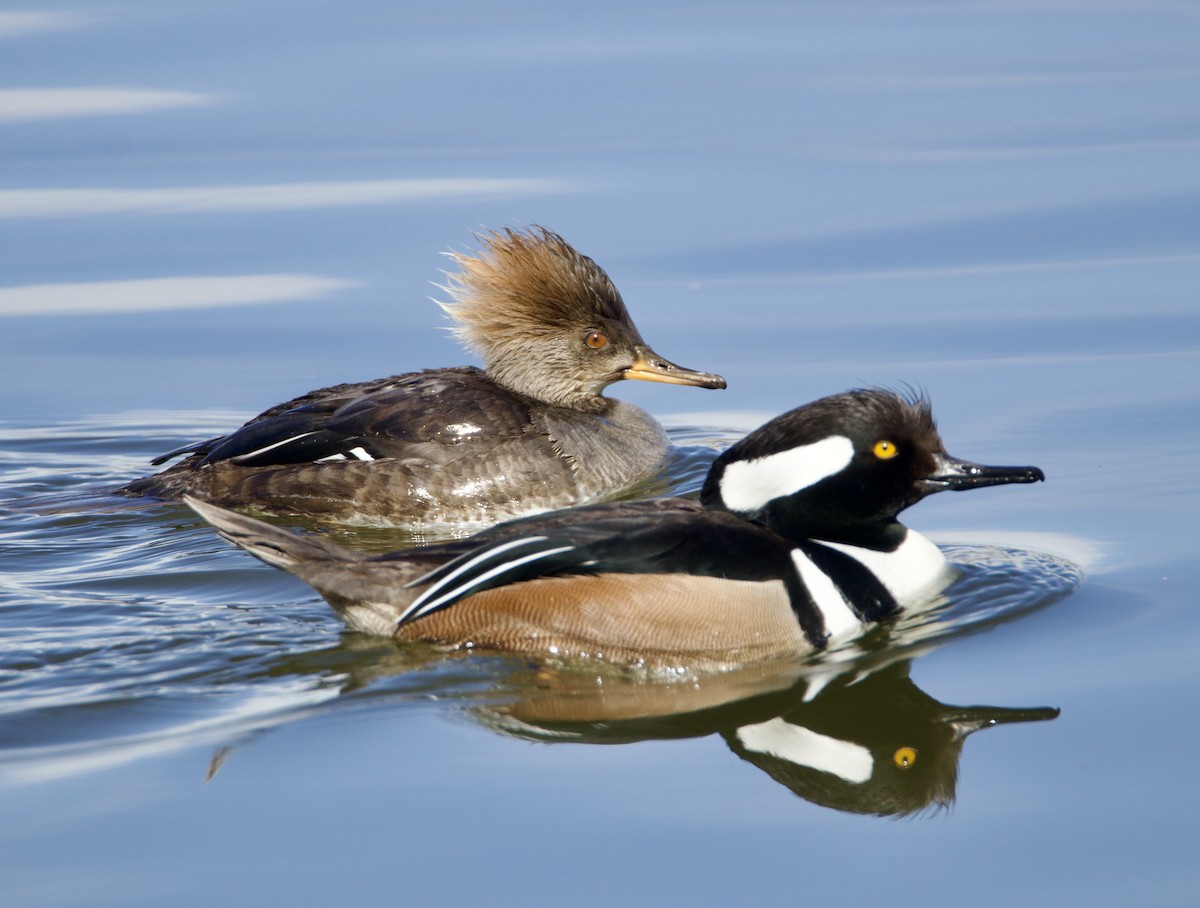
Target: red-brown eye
<point>596,340</point>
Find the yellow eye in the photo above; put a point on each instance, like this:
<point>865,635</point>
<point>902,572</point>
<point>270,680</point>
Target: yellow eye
<point>905,757</point>
<point>596,340</point>
<point>885,450</point>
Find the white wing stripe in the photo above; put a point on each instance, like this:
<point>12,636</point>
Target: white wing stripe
<point>479,557</point>
<point>421,605</point>
<point>273,446</point>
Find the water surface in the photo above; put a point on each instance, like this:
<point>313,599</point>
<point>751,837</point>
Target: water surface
<point>206,209</point>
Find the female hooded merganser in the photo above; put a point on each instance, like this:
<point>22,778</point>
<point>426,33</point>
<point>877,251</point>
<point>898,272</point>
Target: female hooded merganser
<point>530,432</point>
<point>794,545</point>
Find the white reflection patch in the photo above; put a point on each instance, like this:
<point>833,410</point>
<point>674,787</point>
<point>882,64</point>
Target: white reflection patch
<point>52,203</point>
<point>18,104</point>
<point>162,294</point>
<point>805,747</point>
<point>747,485</point>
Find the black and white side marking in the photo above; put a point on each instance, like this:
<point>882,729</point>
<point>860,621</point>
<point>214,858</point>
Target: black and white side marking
<point>864,592</point>
<point>913,574</point>
<point>838,589</point>
<point>748,485</point>
<point>836,614</point>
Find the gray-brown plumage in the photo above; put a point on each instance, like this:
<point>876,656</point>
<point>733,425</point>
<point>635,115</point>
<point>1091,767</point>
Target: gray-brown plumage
<point>529,432</point>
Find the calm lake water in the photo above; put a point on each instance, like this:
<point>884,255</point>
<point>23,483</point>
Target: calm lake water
<point>208,208</point>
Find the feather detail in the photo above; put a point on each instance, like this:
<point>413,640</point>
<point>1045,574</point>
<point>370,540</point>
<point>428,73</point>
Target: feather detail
<point>497,565</point>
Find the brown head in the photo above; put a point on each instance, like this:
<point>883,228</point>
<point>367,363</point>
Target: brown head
<point>549,323</point>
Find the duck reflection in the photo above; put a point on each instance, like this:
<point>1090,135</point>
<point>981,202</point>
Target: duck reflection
<point>864,742</point>
<point>879,745</point>
<point>857,736</point>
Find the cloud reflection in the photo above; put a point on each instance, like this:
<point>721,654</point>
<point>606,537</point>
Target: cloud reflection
<point>24,104</point>
<point>972,79</point>
<point>49,203</point>
<point>15,23</point>
<point>950,154</point>
<point>47,763</point>
<point>163,294</point>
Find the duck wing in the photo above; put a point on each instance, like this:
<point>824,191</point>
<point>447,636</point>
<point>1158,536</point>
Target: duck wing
<point>664,536</point>
<point>370,421</point>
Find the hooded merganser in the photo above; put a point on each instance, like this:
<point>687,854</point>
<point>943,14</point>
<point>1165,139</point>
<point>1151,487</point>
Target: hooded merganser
<point>794,545</point>
<point>532,431</point>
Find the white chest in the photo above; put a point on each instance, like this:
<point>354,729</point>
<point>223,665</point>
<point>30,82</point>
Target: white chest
<point>914,573</point>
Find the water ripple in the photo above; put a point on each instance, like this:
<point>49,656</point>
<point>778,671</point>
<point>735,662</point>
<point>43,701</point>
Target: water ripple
<point>127,631</point>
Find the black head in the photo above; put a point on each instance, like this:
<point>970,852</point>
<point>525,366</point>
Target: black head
<point>843,468</point>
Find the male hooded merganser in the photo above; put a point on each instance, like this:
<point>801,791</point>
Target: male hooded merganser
<point>532,431</point>
<point>794,545</point>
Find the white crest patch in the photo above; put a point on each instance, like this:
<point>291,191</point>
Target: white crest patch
<point>747,485</point>
<point>914,574</point>
<point>840,620</point>
<point>805,747</point>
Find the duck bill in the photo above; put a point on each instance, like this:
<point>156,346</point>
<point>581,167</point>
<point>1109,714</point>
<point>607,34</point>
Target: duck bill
<point>969,719</point>
<point>956,475</point>
<point>649,366</point>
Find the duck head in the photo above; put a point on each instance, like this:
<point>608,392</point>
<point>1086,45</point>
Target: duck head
<point>842,469</point>
<point>549,324</point>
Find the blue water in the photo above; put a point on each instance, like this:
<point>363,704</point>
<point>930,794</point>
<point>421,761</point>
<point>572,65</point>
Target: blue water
<point>209,208</point>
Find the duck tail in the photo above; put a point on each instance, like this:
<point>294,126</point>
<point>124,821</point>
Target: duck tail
<point>276,546</point>
<point>169,485</point>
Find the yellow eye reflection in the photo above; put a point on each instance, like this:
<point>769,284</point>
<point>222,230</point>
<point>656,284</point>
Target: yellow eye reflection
<point>596,340</point>
<point>885,450</point>
<point>905,757</point>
